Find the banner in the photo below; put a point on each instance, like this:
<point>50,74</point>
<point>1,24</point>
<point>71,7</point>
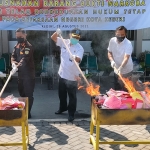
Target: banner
<point>68,14</point>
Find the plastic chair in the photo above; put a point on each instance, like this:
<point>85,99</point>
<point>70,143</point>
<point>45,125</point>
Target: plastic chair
<point>49,70</point>
<point>2,65</point>
<point>84,63</point>
<point>3,70</point>
<point>7,57</point>
<point>146,64</point>
<point>93,66</point>
<point>44,72</point>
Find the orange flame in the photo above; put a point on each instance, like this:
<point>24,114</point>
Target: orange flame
<point>93,90</point>
<point>129,85</point>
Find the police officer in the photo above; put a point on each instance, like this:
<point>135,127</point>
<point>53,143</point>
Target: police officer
<point>22,60</point>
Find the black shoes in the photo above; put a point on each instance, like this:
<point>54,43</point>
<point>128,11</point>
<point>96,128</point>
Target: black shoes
<point>70,118</point>
<point>60,111</point>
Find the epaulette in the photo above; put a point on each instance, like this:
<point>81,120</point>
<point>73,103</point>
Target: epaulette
<point>29,43</point>
<point>15,45</point>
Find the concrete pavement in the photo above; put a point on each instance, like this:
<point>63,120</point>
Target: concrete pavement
<point>47,135</point>
<point>48,131</point>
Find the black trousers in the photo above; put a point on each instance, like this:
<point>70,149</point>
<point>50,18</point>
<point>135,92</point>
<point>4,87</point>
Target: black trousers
<point>118,84</point>
<point>26,89</point>
<point>67,87</point>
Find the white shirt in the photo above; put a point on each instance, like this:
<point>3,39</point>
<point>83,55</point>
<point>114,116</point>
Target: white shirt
<point>68,69</point>
<point>118,51</point>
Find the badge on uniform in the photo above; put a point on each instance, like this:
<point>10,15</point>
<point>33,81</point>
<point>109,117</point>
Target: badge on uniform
<point>26,52</point>
<point>27,49</point>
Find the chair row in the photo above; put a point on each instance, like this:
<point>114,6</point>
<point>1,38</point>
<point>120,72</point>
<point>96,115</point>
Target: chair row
<point>89,63</point>
<point>5,63</point>
<point>90,66</point>
<point>49,67</point>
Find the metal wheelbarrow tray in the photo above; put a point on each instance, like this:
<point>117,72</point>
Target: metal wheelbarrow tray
<point>17,118</point>
<point>116,117</point>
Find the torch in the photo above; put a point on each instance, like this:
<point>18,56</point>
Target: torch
<point>134,94</point>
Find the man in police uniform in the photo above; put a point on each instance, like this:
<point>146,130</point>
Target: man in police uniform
<point>68,71</point>
<point>22,60</point>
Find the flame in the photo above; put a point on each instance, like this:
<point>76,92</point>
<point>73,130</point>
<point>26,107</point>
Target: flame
<point>93,90</point>
<point>129,85</point>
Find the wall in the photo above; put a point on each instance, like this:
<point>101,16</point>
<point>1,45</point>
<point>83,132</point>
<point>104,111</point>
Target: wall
<point>87,47</point>
<point>11,45</point>
<point>3,42</point>
<point>145,45</point>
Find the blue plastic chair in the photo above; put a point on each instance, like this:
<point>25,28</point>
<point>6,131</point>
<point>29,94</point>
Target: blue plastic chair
<point>84,63</point>
<point>44,72</point>
<point>7,57</point>
<point>146,64</point>
<point>93,67</point>
<point>2,65</point>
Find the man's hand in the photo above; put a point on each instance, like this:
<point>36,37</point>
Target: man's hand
<point>58,31</point>
<point>78,78</point>
<point>14,70</point>
<point>72,57</point>
<point>119,70</point>
<point>14,65</point>
<point>113,64</point>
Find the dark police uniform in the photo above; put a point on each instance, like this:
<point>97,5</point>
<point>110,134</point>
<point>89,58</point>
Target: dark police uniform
<point>22,56</point>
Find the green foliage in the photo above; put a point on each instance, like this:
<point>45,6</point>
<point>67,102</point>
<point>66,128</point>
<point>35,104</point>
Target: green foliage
<point>100,41</point>
<point>105,67</point>
<point>39,41</point>
<point>141,57</point>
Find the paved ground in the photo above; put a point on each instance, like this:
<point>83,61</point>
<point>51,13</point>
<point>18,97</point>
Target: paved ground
<point>48,131</point>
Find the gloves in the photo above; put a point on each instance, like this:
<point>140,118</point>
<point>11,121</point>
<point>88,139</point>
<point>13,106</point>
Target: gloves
<point>58,31</point>
<point>14,65</point>
<point>113,64</point>
<point>119,70</point>
<point>14,70</point>
<point>72,57</point>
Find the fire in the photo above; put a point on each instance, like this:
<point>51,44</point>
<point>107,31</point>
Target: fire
<point>129,85</point>
<point>93,90</point>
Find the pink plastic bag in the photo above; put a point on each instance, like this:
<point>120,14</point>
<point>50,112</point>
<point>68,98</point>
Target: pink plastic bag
<point>112,102</point>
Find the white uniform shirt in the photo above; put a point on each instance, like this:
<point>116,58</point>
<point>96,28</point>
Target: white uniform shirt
<point>118,51</point>
<point>68,69</point>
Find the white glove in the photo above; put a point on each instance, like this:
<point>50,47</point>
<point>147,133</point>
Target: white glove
<point>58,31</point>
<point>113,64</point>
<point>14,65</point>
<point>72,57</point>
<point>14,70</point>
<point>119,70</point>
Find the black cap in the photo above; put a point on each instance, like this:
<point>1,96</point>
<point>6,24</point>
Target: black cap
<point>76,33</point>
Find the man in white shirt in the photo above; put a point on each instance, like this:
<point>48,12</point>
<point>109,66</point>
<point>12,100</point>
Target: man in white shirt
<point>119,54</point>
<point>68,71</point>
